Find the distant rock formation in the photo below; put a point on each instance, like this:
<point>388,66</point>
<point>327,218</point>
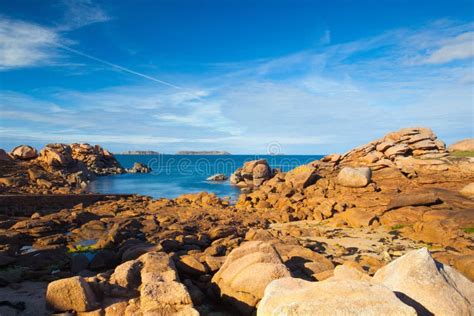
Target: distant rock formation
<point>139,152</point>
<point>252,174</point>
<point>204,152</point>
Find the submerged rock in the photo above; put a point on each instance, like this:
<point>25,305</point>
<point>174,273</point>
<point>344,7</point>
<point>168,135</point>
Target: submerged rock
<point>217,177</point>
<point>139,167</point>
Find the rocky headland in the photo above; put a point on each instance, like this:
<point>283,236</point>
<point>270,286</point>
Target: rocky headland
<point>384,229</point>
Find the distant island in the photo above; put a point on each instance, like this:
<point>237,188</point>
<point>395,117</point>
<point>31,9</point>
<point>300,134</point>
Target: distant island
<point>210,152</point>
<point>140,152</point>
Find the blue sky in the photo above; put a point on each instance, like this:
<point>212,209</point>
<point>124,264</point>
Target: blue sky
<point>305,77</point>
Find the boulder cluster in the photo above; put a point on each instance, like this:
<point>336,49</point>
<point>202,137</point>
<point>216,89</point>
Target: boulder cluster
<point>57,168</point>
<point>139,167</point>
<point>252,174</point>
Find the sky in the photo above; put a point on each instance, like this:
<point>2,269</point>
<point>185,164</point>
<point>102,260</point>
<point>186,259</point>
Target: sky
<point>248,77</point>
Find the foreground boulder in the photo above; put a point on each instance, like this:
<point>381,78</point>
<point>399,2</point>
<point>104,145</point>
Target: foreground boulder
<point>290,296</point>
<point>354,177</point>
<point>70,294</point>
<point>427,285</point>
<point>24,152</point>
<point>245,274</point>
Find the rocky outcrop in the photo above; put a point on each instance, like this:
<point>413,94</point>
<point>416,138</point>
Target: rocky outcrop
<point>245,274</point>
<point>24,152</point>
<point>139,167</point>
<point>253,174</point>
<point>57,168</point>
<point>463,145</point>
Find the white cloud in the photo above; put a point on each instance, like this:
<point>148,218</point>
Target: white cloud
<point>458,48</point>
<point>24,44</point>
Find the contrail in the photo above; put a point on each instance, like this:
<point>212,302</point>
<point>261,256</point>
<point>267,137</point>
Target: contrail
<point>122,68</point>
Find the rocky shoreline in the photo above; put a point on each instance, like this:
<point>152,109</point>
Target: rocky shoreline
<point>386,228</point>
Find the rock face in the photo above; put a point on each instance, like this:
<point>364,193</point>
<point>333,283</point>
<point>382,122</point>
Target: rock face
<point>463,145</point>
<point>217,177</point>
<point>354,177</point>
<point>253,174</point>
<point>70,294</point>
<point>24,152</point>
<point>434,288</point>
<point>4,155</point>
<point>289,296</point>
<point>139,167</point>
<point>246,272</point>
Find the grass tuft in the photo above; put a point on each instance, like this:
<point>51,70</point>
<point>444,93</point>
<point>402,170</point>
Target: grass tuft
<point>460,154</point>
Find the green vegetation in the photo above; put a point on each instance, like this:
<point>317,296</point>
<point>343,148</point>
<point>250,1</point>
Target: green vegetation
<point>468,230</point>
<point>398,226</point>
<point>80,248</point>
<point>460,154</point>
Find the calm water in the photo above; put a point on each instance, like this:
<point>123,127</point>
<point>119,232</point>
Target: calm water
<point>174,175</point>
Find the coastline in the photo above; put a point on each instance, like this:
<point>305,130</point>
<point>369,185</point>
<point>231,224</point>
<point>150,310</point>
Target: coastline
<point>339,220</point>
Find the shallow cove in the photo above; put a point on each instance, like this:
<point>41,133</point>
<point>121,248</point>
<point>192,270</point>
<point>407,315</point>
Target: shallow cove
<point>173,175</point>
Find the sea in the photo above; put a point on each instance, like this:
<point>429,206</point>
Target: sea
<point>173,175</point>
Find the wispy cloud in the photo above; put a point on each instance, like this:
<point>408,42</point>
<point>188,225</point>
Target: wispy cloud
<point>458,48</point>
<point>24,44</point>
<point>327,99</point>
<point>79,13</point>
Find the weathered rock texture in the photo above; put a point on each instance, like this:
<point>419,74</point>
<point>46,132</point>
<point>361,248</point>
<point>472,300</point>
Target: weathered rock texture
<point>413,284</point>
<point>246,273</point>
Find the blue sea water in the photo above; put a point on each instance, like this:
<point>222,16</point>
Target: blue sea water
<point>173,175</point>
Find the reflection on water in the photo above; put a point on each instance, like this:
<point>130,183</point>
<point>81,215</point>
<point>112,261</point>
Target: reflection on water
<point>174,175</point>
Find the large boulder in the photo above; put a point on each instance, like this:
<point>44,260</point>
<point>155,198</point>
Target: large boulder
<point>301,177</point>
<point>427,285</point>
<point>24,152</point>
<point>354,177</point>
<point>161,292</point>
<point>70,294</point>
<point>56,155</point>
<point>290,296</point>
<point>463,145</point>
<point>245,274</point>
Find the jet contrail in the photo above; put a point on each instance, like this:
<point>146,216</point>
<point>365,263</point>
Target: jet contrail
<point>122,68</point>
